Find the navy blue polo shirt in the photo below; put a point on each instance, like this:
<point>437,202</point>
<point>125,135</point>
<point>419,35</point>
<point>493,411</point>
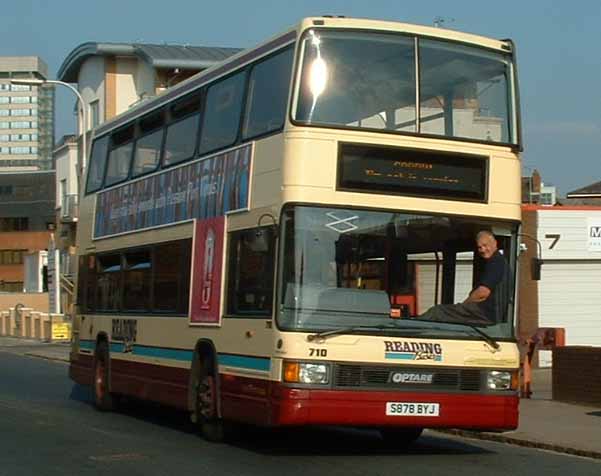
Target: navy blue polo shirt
<point>493,276</point>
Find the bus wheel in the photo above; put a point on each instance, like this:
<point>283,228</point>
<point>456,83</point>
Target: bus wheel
<point>211,426</point>
<point>400,437</point>
<point>103,400</point>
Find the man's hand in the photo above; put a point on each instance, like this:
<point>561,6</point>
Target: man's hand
<point>481,293</point>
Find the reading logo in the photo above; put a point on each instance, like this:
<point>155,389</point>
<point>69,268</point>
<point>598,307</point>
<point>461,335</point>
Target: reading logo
<point>399,350</point>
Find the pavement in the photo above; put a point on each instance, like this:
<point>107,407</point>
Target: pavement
<point>544,423</point>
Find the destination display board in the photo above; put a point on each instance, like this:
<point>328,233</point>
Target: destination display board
<point>429,174</point>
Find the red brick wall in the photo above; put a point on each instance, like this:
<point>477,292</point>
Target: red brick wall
<point>577,374</point>
<point>528,289</point>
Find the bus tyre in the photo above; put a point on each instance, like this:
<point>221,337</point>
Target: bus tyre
<point>211,426</point>
<point>103,400</point>
<point>400,437</point>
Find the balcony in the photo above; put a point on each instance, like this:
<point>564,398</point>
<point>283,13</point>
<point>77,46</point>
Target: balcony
<point>69,208</point>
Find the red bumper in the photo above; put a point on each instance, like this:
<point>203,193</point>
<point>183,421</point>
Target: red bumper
<point>329,407</point>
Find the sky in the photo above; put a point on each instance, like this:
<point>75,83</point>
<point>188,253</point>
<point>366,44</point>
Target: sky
<point>558,46</point>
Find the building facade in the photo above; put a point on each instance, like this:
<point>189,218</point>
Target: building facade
<point>26,116</point>
<point>26,217</point>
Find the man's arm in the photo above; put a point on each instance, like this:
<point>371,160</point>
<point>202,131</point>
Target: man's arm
<point>479,294</point>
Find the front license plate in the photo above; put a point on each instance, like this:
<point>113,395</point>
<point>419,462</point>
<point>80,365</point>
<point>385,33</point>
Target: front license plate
<point>412,409</point>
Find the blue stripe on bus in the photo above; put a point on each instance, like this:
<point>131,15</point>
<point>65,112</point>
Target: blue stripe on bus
<point>87,344</point>
<point>245,362</point>
<point>229,360</point>
<point>407,356</point>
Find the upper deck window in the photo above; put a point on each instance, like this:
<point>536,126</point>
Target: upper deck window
<point>148,147</point>
<point>97,163</point>
<point>360,80</point>
<point>182,133</point>
<point>267,95</point>
<point>463,92</point>
<point>119,159</point>
<point>366,80</point>
<point>222,113</point>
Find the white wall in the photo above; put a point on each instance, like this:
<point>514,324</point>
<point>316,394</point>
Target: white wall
<point>91,84</point>
<point>127,94</point>
<point>145,80</point>
<point>572,226</point>
<point>569,292</point>
<point>66,163</point>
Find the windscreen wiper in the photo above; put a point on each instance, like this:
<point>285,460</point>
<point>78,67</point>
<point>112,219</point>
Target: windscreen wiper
<point>346,330</point>
<point>332,332</point>
<point>489,339</point>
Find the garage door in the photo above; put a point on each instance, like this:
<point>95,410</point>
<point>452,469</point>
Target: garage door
<point>569,295</point>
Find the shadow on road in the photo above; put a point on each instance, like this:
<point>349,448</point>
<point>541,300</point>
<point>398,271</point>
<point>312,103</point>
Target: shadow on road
<point>311,441</point>
<point>334,441</point>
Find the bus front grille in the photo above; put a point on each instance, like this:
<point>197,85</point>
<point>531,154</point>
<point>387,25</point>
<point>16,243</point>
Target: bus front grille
<point>406,378</point>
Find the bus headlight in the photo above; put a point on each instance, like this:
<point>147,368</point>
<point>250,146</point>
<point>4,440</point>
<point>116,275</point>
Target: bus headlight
<point>306,372</point>
<point>502,380</point>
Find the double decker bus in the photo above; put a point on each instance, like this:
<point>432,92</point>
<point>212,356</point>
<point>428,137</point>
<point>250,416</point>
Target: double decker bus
<point>259,243</point>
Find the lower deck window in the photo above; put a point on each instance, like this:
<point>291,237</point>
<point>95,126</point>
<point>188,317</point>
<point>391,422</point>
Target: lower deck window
<point>153,279</point>
<point>250,272</point>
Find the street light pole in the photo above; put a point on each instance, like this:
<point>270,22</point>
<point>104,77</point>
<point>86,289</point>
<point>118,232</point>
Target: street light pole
<point>40,82</point>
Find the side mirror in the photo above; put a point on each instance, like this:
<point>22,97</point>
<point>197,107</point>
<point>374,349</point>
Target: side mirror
<point>535,269</point>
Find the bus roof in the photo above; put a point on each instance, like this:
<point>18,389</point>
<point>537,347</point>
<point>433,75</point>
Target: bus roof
<point>290,35</point>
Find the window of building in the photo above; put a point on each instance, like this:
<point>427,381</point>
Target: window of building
<point>20,100</point>
<point>21,137</point>
<point>268,94</point>
<point>4,137</point>
<point>20,87</point>
<point>97,163</point>
<point>94,113</point>
<point>62,190</point>
<point>250,272</point>
<point>4,99</point>
<point>12,256</point>
<point>21,112</point>
<point>6,190</point>
<point>4,125</point>
<point>222,113</point>
<point>21,150</point>
<point>11,286</point>
<point>4,87</point>
<point>4,112</point>
<point>14,224</point>
<point>4,150</point>
<point>23,124</point>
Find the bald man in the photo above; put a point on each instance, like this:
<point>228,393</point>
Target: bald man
<point>480,305</point>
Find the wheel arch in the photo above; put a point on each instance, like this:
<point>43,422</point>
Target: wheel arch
<point>204,351</point>
<point>102,338</point>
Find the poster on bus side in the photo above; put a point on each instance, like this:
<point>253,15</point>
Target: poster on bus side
<point>208,187</point>
<point>207,266</point>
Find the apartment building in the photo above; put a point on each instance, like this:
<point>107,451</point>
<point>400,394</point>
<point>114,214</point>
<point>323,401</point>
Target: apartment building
<point>26,116</point>
<point>26,213</point>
